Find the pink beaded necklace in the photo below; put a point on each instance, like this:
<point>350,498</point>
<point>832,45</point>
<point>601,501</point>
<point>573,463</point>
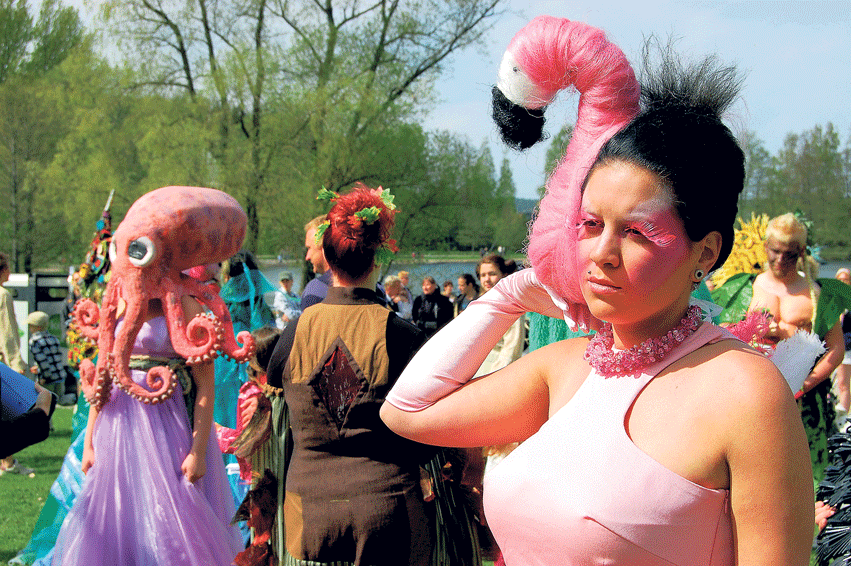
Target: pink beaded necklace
<point>609,363</point>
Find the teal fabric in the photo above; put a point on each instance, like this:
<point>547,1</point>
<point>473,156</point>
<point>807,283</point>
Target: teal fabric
<point>545,330</point>
<point>243,295</point>
<point>63,493</point>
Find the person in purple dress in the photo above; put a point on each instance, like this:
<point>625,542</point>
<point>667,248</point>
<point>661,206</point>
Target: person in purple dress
<point>155,490</point>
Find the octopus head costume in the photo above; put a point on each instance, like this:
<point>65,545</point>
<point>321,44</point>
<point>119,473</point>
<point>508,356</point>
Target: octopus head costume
<point>164,233</point>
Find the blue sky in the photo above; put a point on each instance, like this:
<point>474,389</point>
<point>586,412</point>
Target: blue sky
<point>795,56</point>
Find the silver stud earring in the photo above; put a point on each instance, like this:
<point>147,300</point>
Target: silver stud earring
<point>698,274</point>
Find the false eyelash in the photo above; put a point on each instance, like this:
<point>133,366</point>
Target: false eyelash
<point>654,234</point>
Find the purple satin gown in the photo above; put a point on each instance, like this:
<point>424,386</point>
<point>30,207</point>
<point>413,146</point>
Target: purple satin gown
<point>136,508</point>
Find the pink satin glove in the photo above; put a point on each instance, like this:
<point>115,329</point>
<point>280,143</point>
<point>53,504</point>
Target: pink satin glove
<point>526,292</point>
<point>452,356</point>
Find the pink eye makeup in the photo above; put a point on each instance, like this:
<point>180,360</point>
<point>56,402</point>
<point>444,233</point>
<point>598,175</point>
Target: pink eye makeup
<point>653,233</point>
<point>590,225</point>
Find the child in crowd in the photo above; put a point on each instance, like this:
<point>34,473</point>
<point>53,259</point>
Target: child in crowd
<point>46,357</point>
<point>246,442</point>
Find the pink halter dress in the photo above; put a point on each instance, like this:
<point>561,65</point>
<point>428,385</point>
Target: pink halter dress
<point>580,492</point>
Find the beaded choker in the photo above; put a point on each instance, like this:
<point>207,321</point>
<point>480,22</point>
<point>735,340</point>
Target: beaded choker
<point>610,363</point>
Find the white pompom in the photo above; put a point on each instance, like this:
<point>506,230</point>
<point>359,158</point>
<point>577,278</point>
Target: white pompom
<point>795,356</point>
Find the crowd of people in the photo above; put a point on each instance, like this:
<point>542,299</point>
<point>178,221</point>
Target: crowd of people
<point>363,423</point>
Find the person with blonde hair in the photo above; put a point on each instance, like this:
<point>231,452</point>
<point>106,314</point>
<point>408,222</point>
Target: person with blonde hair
<point>10,341</point>
<point>788,291</point>
<point>406,297</point>
<point>317,288</point>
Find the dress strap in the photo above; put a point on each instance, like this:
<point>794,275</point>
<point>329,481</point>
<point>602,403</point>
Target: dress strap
<point>708,333</point>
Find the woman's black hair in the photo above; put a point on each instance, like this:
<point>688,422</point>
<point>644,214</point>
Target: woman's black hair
<point>238,263</point>
<point>679,136</point>
<point>468,277</point>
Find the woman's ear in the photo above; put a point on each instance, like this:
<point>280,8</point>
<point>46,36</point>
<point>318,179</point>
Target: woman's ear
<point>709,250</point>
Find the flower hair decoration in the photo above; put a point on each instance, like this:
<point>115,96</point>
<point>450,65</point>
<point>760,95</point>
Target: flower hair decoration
<point>368,215</point>
<point>326,195</point>
<point>320,232</point>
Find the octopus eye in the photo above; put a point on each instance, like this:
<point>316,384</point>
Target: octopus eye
<point>141,251</point>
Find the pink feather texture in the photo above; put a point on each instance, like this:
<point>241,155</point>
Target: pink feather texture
<point>555,53</point>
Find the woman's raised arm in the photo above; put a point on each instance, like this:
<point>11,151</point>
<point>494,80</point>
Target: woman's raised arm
<point>434,401</point>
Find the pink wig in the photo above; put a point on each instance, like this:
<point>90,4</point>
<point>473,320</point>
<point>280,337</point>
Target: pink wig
<point>547,55</point>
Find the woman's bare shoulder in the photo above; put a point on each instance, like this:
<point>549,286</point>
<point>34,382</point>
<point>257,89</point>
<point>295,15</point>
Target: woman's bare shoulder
<point>561,365</point>
<point>745,379</point>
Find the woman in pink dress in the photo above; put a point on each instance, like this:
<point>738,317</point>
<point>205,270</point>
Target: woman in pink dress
<point>661,440</point>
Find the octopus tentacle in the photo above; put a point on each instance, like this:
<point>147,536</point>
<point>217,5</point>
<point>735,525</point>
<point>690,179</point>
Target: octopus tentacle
<point>248,348</point>
<point>160,379</point>
<point>86,316</point>
<point>119,362</point>
<point>226,344</point>
<point>97,384</point>
<point>198,341</point>
<point>87,379</point>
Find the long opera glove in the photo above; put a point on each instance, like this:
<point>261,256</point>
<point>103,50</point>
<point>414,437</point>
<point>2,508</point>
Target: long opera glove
<point>452,356</point>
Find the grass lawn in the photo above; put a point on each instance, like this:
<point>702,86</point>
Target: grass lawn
<point>22,497</point>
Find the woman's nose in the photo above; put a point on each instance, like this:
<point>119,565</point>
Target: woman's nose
<point>606,250</point>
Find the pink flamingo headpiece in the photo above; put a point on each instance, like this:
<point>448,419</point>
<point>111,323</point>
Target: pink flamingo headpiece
<point>546,56</point>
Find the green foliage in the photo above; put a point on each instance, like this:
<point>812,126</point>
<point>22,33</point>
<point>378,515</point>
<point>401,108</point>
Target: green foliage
<point>299,94</point>
<point>460,202</point>
<point>16,31</point>
<point>555,153</point>
<point>56,33</point>
<point>32,124</point>
<point>811,173</point>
